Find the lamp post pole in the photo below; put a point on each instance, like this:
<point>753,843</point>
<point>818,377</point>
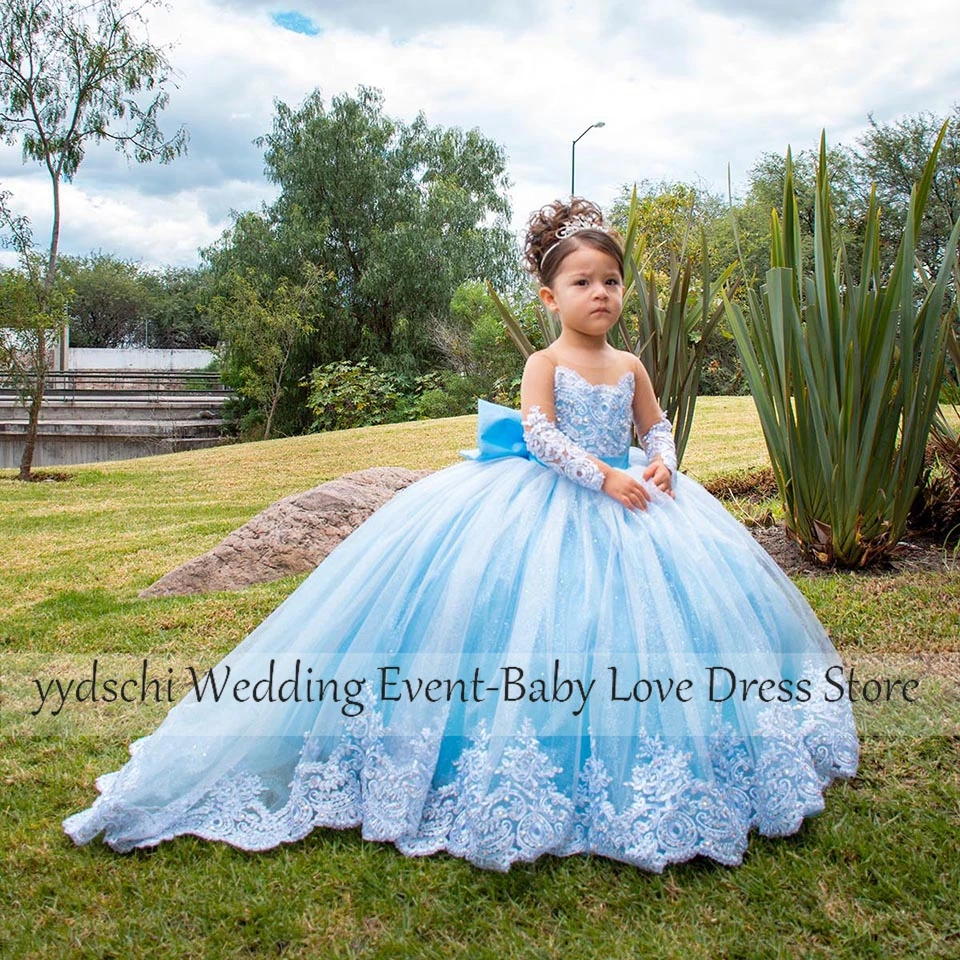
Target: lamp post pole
<point>573,152</point>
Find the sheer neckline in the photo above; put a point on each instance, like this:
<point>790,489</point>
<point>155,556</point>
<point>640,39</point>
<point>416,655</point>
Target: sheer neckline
<point>583,379</point>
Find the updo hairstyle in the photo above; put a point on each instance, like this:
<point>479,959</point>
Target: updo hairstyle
<point>542,235</point>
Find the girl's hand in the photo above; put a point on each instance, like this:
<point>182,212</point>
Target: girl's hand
<point>661,476</point>
<point>626,489</point>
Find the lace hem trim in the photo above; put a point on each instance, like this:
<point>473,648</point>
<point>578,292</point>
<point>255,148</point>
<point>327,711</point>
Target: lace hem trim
<point>513,813</point>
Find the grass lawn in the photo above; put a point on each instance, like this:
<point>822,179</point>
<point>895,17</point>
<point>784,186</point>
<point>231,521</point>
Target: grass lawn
<point>875,875</point>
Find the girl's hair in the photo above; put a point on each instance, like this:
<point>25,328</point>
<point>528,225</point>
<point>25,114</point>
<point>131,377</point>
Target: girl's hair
<point>542,230</point>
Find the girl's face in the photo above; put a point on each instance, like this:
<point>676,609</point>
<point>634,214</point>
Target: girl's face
<point>587,291</point>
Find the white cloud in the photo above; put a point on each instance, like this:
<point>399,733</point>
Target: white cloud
<point>154,229</point>
<point>684,90</point>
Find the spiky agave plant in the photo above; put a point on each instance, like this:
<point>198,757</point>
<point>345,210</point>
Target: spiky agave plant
<point>940,506</point>
<point>845,374</point>
<point>942,432</point>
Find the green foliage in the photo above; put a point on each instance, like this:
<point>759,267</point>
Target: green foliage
<point>259,333</point>
<point>31,313</point>
<point>107,302</point>
<point>345,394</point>
<point>477,348</point>
<point>116,303</point>
<point>722,372</point>
<point>670,217</point>
<point>349,394</point>
<point>472,341</point>
<point>397,210</point>
<point>893,156</point>
<point>175,318</point>
<point>29,321</point>
<point>889,158</point>
<point>845,372</point>
<point>432,404</point>
<point>70,71</point>
<point>268,252</point>
<point>398,214</point>
<point>670,332</point>
<point>941,498</point>
<point>847,195</point>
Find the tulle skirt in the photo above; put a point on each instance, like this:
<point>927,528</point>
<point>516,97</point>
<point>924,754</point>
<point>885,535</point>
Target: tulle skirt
<point>502,664</point>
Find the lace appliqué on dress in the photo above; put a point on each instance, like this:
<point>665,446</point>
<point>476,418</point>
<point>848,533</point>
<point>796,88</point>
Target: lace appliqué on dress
<point>504,806</point>
<point>659,440</point>
<point>555,449</point>
<point>593,420</point>
<point>596,416</point>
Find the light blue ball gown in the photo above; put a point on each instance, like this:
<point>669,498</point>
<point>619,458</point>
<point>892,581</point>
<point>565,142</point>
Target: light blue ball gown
<point>596,678</point>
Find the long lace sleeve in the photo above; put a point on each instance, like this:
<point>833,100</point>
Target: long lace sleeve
<point>555,449</point>
<point>659,440</point>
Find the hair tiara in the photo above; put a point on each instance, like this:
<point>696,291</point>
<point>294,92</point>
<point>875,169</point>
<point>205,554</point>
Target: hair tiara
<point>569,227</point>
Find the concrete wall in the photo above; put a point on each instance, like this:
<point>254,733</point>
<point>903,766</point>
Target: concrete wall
<point>136,358</point>
<point>89,429</point>
<point>70,444</point>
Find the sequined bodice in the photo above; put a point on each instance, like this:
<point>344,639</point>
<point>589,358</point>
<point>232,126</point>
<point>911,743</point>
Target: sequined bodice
<point>596,416</point>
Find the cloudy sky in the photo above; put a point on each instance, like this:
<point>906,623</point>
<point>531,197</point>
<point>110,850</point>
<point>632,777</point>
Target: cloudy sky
<point>684,88</point>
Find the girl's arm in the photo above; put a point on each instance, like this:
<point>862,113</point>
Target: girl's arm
<point>655,430</point>
<point>540,432</point>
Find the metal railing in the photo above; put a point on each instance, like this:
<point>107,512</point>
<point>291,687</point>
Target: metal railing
<point>66,385</point>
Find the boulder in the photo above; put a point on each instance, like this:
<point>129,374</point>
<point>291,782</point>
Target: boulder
<point>290,536</point>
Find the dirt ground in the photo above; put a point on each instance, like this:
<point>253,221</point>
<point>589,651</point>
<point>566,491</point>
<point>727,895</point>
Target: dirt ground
<point>916,553</point>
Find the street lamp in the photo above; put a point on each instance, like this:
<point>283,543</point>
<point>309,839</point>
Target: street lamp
<point>573,150</point>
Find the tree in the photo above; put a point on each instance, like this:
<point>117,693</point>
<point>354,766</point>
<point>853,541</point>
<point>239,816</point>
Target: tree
<point>268,252</point>
<point>259,334</point>
<point>175,320</point>
<point>398,212</point>
<point>69,72</point>
<point>107,300</point>
<point>669,217</point>
<point>893,156</point>
<point>116,303</point>
<point>848,196</point>
<point>472,339</point>
<point>30,316</point>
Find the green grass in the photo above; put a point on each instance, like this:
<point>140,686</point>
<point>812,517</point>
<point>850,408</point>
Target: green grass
<point>875,875</point>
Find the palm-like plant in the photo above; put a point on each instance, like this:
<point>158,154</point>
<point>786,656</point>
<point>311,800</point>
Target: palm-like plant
<point>671,332</point>
<point>845,375</point>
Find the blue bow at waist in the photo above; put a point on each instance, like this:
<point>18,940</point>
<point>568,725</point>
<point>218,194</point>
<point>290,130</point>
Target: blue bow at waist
<point>500,434</point>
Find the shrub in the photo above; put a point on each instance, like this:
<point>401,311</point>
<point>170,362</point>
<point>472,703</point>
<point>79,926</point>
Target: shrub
<point>344,394</point>
<point>845,372</point>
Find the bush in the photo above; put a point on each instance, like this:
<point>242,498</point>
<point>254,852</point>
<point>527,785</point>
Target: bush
<point>433,405</point>
<point>345,394</point>
<point>722,372</point>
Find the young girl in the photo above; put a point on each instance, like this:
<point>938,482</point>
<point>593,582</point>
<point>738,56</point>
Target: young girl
<point>560,645</point>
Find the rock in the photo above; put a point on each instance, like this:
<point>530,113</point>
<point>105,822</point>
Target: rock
<point>290,536</point>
